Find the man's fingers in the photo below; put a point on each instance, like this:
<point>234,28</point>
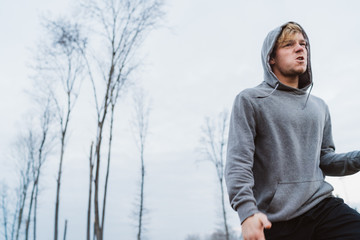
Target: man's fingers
<point>253,227</point>
<point>265,222</point>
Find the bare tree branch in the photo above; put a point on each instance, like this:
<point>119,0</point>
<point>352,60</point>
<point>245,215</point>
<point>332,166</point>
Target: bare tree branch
<point>213,142</point>
<point>140,126</point>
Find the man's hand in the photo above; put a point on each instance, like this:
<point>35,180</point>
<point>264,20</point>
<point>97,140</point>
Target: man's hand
<point>253,227</point>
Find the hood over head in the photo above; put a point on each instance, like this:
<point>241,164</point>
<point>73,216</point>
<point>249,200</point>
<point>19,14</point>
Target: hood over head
<point>305,79</point>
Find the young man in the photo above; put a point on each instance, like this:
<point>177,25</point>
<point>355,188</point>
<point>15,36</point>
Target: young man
<point>280,147</point>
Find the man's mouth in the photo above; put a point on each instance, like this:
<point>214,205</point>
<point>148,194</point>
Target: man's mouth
<point>300,58</point>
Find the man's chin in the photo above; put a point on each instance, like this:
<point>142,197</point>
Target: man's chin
<point>299,71</point>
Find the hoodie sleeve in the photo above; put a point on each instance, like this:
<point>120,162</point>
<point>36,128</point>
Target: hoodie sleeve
<point>334,164</point>
<point>240,157</point>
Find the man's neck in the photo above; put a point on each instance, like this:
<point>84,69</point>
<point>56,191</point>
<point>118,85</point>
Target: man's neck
<point>289,81</point>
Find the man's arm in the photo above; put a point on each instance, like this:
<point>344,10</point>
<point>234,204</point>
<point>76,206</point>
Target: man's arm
<point>240,156</point>
<point>238,171</point>
<point>333,164</point>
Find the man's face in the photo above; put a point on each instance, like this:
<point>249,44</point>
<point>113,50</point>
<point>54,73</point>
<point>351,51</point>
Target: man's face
<point>290,57</point>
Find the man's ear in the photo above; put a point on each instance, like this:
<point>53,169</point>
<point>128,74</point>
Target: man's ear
<point>272,61</point>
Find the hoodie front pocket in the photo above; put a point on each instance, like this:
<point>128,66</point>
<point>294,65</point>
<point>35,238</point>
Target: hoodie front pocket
<point>290,196</point>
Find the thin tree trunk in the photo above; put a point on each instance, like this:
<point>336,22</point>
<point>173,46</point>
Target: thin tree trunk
<point>62,151</point>
<point>5,215</point>
<point>32,197</point>
<point>108,166</point>
<point>141,194</point>
<point>57,202</point>
<point>224,211</point>
<point>98,224</point>
<point>21,211</point>
<point>65,228</point>
<point>14,219</point>
<point>40,159</point>
<point>90,193</point>
<point>142,109</point>
<point>221,176</point>
<point>96,193</point>
<point>35,211</point>
<point>94,234</point>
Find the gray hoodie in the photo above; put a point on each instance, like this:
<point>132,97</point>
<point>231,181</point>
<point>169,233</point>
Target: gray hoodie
<point>280,147</point>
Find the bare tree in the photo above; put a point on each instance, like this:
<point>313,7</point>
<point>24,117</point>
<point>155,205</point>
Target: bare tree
<point>123,26</point>
<point>30,153</point>
<point>213,142</point>
<point>140,124</point>
<point>41,145</point>
<point>4,209</point>
<point>24,153</point>
<point>60,64</point>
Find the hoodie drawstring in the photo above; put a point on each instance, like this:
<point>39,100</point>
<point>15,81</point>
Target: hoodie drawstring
<point>307,98</point>
<point>276,86</point>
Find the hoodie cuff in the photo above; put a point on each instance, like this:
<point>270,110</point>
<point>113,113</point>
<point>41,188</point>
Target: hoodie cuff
<point>246,210</point>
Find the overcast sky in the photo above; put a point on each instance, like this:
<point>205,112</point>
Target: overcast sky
<point>194,66</point>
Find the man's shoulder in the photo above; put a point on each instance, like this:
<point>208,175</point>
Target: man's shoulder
<point>255,92</point>
<point>318,100</point>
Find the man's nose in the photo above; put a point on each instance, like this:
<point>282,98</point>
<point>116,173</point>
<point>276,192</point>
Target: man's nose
<point>300,48</point>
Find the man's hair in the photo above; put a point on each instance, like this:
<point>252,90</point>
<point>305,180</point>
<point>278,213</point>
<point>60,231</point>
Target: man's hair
<point>288,31</point>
